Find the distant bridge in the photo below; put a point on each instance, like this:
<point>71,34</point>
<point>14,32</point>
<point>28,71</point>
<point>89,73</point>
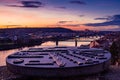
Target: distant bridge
<point>78,41</point>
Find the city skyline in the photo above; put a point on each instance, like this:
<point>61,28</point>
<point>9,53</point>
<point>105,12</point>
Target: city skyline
<point>72,14</point>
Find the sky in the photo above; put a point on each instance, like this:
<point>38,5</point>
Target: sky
<point>72,14</point>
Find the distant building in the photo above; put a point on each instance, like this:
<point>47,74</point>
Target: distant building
<point>94,44</point>
<point>100,44</point>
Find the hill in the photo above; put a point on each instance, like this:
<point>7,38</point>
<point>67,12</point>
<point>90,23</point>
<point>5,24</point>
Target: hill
<point>57,29</point>
<point>23,31</point>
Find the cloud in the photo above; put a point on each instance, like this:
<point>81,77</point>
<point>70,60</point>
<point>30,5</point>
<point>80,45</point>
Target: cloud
<point>8,1</point>
<point>12,25</point>
<point>101,19</point>
<point>73,25</point>
<point>62,7</point>
<point>28,4</point>
<point>111,21</point>
<point>108,18</point>
<point>63,22</point>
<point>77,2</point>
<point>81,15</point>
<point>69,25</point>
<point>117,23</point>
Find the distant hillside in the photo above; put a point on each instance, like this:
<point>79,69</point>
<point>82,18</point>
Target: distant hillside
<point>59,29</point>
<point>31,30</point>
<point>23,31</point>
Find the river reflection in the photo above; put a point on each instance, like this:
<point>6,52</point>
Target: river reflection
<point>64,43</point>
<point>4,54</point>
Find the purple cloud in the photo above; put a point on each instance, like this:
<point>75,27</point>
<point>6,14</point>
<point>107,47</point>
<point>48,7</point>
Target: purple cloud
<point>111,20</point>
<point>63,22</point>
<point>77,2</point>
<point>101,18</point>
<point>62,7</point>
<point>28,4</point>
<point>81,15</point>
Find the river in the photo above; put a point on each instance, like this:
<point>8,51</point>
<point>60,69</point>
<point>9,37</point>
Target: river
<point>81,41</point>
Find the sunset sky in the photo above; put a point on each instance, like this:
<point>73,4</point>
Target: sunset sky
<point>73,14</point>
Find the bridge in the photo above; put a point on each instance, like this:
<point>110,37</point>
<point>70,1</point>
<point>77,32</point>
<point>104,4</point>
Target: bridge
<point>82,39</point>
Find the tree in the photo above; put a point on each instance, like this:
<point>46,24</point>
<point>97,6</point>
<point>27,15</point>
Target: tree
<point>114,49</point>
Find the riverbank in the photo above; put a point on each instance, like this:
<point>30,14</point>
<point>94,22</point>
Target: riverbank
<point>112,74</point>
<point>20,45</point>
<point>30,43</point>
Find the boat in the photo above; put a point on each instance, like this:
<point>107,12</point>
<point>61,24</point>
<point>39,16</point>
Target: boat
<point>59,61</point>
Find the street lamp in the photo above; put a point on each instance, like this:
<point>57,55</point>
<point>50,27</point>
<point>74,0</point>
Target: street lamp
<point>76,40</point>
